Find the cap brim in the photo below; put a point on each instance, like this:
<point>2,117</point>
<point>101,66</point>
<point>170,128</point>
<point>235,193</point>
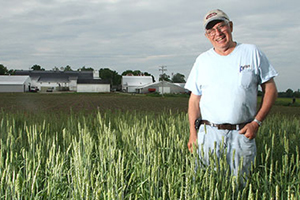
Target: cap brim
<point>214,19</point>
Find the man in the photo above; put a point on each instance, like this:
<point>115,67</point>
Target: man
<point>224,83</point>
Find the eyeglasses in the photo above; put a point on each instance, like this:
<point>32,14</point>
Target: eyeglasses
<point>221,28</point>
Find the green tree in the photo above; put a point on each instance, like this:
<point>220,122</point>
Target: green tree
<point>164,77</point>
<point>137,73</point>
<point>289,93</point>
<point>56,69</point>
<point>37,68</point>
<point>85,69</point>
<point>112,76</point>
<point>3,70</point>
<point>127,72</point>
<point>68,68</point>
<point>12,72</point>
<point>134,72</point>
<point>178,78</point>
<point>147,74</point>
<point>296,94</point>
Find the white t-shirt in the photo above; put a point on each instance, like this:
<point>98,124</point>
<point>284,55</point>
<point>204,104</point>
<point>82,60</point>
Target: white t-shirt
<point>228,84</point>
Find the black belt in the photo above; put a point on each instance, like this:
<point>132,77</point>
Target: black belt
<point>225,126</point>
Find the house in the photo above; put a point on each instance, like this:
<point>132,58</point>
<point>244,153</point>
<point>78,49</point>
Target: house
<point>14,83</point>
<point>75,81</point>
<point>162,87</point>
<point>131,83</point>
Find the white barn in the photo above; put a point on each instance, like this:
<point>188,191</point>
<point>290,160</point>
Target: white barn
<point>14,83</point>
<point>131,83</point>
<point>93,85</point>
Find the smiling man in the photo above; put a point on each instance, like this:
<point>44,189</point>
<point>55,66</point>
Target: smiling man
<point>224,83</point>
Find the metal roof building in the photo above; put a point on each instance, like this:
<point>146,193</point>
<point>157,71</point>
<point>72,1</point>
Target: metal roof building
<point>131,83</point>
<point>93,85</point>
<point>14,83</point>
<point>162,87</point>
<point>76,81</point>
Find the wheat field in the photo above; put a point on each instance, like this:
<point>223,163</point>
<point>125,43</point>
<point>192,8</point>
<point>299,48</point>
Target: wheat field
<point>135,154</point>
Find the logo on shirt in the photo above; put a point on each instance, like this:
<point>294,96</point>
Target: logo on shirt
<point>244,67</point>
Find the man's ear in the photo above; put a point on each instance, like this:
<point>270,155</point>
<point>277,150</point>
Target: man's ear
<point>206,35</point>
<point>231,26</point>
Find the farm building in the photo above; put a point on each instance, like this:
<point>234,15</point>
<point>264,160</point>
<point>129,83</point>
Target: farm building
<point>131,83</point>
<point>162,87</point>
<point>93,85</point>
<point>14,83</point>
<point>76,81</point>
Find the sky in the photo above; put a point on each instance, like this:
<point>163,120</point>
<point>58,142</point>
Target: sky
<point>143,34</point>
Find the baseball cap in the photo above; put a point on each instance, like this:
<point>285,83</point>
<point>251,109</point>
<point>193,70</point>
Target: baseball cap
<point>214,15</point>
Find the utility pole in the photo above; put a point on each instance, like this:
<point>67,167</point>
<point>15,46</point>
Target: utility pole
<point>162,73</point>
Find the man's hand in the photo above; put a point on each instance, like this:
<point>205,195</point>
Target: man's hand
<point>270,94</point>
<point>192,144</point>
<point>250,130</point>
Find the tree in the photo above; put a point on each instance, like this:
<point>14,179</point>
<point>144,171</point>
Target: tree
<point>128,72</point>
<point>85,69</point>
<point>147,74</point>
<point>296,94</point>
<point>134,73</point>
<point>56,69</point>
<point>12,72</point>
<point>112,76</point>
<point>68,68</point>
<point>164,77</point>
<point>3,70</point>
<point>37,68</point>
<point>289,93</point>
<point>137,73</point>
<point>178,78</point>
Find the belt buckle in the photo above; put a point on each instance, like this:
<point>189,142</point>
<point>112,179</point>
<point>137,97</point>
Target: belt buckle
<point>214,125</point>
<point>237,127</point>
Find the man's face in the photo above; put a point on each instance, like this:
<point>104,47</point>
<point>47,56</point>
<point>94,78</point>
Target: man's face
<point>219,34</point>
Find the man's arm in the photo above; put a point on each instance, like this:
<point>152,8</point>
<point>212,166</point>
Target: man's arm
<point>194,113</point>
<point>270,94</point>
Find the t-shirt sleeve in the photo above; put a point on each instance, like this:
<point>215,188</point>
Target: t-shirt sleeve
<point>266,70</point>
<point>193,82</point>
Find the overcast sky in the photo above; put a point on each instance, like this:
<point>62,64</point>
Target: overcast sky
<point>143,34</point>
